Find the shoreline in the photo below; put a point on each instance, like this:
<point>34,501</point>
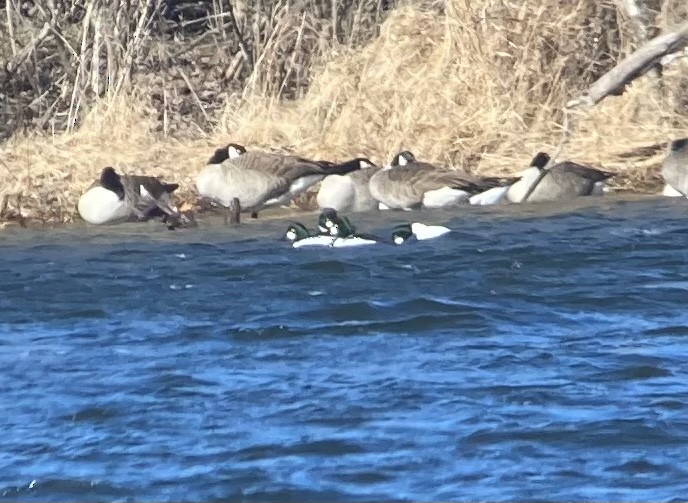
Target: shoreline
<point>211,220</point>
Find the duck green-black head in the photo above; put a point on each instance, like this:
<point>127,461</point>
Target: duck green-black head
<point>295,232</point>
<point>402,233</point>
<point>326,220</point>
<point>403,158</point>
<point>342,228</point>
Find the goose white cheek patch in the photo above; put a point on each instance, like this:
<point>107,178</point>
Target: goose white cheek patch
<point>144,192</point>
<point>233,153</point>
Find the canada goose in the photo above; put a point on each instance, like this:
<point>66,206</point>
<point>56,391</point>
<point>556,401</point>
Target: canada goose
<point>113,198</point>
<point>408,183</point>
<point>565,180</point>
<point>348,192</point>
<point>675,169</point>
<point>417,230</point>
<point>261,179</point>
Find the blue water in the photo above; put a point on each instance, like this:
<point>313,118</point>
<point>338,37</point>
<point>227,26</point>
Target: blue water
<point>533,354</point>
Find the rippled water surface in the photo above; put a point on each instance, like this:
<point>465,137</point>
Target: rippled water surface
<point>537,354</point>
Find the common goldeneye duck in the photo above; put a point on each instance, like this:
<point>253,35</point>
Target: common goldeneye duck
<point>300,236</point>
<point>346,235</point>
<point>418,231</point>
<point>326,219</point>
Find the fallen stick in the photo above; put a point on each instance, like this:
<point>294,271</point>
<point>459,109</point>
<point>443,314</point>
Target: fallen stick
<point>644,58</point>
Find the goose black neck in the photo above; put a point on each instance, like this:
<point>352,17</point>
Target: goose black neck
<point>110,180</point>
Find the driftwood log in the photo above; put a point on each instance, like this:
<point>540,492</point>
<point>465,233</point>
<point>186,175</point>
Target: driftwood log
<point>644,58</point>
<point>614,82</point>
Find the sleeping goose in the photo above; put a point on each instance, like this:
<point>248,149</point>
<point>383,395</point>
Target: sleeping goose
<point>408,183</point>
<point>565,180</point>
<point>115,198</point>
<point>675,169</point>
<point>348,192</point>
<point>262,179</point>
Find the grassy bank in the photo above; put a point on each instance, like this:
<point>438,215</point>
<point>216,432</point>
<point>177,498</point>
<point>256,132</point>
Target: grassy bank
<point>478,85</point>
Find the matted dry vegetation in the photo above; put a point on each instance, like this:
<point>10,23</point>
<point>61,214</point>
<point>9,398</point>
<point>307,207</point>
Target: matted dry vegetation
<point>475,84</point>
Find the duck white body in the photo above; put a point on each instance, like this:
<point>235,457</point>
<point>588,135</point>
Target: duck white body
<point>313,241</point>
<point>99,205</point>
<point>422,231</point>
<point>352,241</point>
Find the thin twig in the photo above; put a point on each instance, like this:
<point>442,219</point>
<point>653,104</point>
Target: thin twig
<point>10,27</point>
<point>17,60</point>
<point>240,37</point>
<point>193,92</point>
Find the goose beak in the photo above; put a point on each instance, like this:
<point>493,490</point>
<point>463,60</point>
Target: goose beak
<point>168,208</point>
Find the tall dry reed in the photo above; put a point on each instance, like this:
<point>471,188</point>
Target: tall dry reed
<point>472,84</point>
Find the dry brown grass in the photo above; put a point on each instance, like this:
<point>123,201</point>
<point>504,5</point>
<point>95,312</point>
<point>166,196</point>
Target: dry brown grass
<point>472,84</point>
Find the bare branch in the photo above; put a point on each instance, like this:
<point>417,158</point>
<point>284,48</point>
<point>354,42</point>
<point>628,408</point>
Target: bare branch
<point>614,82</point>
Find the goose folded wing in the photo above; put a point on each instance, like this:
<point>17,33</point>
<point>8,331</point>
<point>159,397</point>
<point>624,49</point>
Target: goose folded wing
<point>435,179</point>
<point>593,174</point>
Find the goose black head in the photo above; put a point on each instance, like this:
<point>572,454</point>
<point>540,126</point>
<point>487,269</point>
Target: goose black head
<point>110,180</point>
<point>231,151</point>
<point>540,160</point>
<point>403,158</point>
<point>679,145</point>
<point>402,233</point>
<point>153,192</point>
